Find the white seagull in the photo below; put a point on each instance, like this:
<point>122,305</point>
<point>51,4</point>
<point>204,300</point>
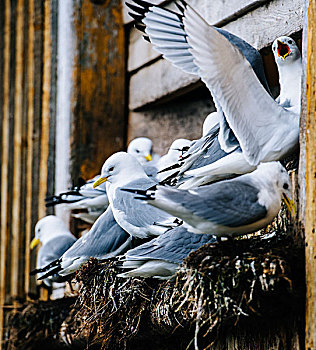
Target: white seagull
<point>230,207</point>
<point>55,238</point>
<point>139,219</point>
<point>161,257</point>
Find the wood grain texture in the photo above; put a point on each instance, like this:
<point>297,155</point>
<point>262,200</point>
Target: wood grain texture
<point>29,143</point>
<point>4,164</point>
<point>256,27</point>
<point>98,104</point>
<point>310,187</point>
<point>45,113</point>
<point>17,152</point>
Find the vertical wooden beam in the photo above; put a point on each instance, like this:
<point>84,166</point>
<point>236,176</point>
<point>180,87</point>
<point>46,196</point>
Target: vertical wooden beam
<point>99,126</point>
<point>5,162</point>
<point>308,170</point>
<point>45,110</point>
<point>17,140</point>
<point>29,142</point>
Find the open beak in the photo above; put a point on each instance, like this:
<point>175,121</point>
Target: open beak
<point>34,243</point>
<point>283,49</point>
<point>289,204</point>
<point>99,182</point>
<point>148,158</point>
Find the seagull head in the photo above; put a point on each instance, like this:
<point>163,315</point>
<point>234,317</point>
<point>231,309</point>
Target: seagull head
<point>285,50</point>
<point>120,169</point>
<point>280,181</point>
<point>141,149</point>
<point>177,148</point>
<point>48,228</point>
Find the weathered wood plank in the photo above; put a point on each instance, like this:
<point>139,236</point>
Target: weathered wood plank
<point>29,143</point>
<point>309,155</point>
<point>45,120</point>
<point>17,151</point>
<point>5,161</point>
<point>98,103</point>
<point>256,27</point>
<point>219,13</point>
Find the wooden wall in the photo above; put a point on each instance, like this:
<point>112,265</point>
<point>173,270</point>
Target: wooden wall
<point>27,100</point>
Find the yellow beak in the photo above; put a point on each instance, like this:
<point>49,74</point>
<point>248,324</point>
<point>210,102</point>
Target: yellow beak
<point>148,158</point>
<point>290,205</point>
<point>34,243</point>
<point>99,182</point>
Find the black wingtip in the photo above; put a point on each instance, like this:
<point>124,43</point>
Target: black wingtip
<point>50,273</point>
<point>46,268</point>
<point>172,167</point>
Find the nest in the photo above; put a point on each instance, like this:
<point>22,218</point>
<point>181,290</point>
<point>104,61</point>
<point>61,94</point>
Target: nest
<point>219,287</point>
<point>37,325</point>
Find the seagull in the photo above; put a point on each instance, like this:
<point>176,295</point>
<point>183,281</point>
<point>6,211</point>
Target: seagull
<point>105,240</point>
<point>94,202</point>
<point>260,130</point>
<point>161,257</point>
<point>138,219</point>
<point>55,238</point>
<point>165,29</point>
<point>273,133</point>
<point>142,149</point>
<point>230,207</point>
<point>177,148</point>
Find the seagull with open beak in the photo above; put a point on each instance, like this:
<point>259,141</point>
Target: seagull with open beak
<point>288,59</point>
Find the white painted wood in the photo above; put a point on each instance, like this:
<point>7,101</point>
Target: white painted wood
<point>66,51</point>
<point>259,27</point>
<point>140,51</point>
<point>156,81</point>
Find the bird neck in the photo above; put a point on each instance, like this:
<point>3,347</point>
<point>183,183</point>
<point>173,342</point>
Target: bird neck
<point>290,76</point>
<point>56,233</point>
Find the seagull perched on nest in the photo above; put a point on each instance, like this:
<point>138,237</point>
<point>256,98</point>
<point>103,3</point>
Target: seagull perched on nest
<point>94,202</point>
<point>104,240</point>
<point>177,148</point>
<point>55,238</point>
<point>252,126</point>
<point>138,219</point>
<point>227,208</point>
<point>160,258</point>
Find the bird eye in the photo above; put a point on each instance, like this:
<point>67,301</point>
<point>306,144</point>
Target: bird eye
<point>137,151</point>
<point>112,168</point>
<point>290,41</point>
<point>286,186</point>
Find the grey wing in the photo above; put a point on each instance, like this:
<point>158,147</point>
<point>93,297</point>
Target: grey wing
<point>172,246</point>
<point>54,249</point>
<point>231,203</point>
<point>105,237</point>
<point>165,30</point>
<point>139,213</point>
<point>251,112</point>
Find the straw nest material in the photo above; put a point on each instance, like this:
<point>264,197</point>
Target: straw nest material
<point>219,288</point>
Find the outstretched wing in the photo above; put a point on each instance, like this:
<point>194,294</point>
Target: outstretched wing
<point>251,112</point>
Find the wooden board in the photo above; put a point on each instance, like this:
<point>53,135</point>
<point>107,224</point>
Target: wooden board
<point>98,103</point>
<point>308,163</point>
